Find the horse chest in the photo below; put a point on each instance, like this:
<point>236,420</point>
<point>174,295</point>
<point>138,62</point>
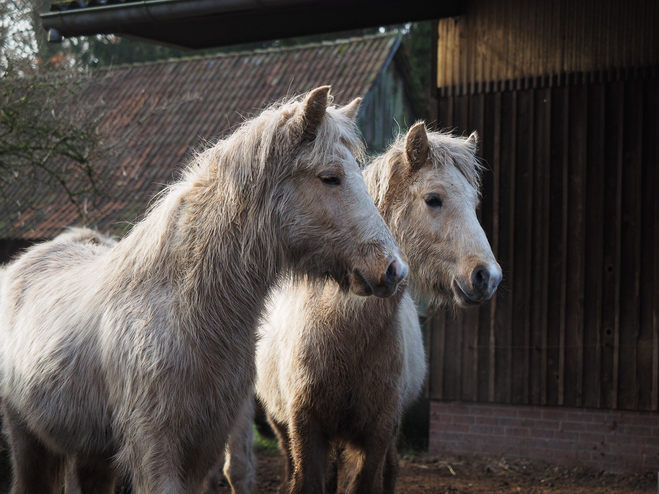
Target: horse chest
<point>353,399</point>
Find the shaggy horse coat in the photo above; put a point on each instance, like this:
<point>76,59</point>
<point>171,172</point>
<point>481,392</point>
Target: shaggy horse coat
<point>137,358</point>
<point>334,371</point>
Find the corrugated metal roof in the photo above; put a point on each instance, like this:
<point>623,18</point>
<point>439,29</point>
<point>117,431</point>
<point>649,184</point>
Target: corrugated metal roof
<point>153,114</point>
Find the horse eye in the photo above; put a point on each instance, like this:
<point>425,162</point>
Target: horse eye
<point>433,200</point>
<point>330,179</point>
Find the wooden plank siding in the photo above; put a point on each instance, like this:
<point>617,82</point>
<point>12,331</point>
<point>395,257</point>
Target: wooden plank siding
<point>570,208</point>
<point>504,40</point>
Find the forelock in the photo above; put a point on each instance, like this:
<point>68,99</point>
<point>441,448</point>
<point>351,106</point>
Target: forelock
<point>336,127</point>
<point>446,148</point>
<point>257,140</point>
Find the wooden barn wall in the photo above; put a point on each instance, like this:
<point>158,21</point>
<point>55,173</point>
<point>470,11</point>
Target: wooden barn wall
<point>571,208</point>
<point>508,39</point>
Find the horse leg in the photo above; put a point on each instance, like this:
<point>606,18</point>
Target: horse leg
<point>332,478</point>
<point>309,450</point>
<point>390,470</point>
<point>368,461</point>
<point>95,476</point>
<point>285,445</point>
<point>239,460</point>
<point>36,469</point>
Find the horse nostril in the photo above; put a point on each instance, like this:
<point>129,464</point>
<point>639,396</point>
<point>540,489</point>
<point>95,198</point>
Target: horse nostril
<point>391,273</point>
<point>480,278</point>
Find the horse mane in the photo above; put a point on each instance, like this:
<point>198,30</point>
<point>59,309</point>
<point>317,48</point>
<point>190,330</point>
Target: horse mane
<point>445,148</point>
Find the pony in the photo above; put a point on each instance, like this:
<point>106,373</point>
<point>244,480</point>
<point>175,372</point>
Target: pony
<point>336,372</point>
<point>134,360</point>
<point>81,235</point>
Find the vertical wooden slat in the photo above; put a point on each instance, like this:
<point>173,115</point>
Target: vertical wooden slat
<point>540,241</point>
<point>652,95</point>
<point>496,208</point>
<point>476,123</point>
<point>461,121</point>
<point>438,351</point>
<point>595,224</point>
<point>630,246</point>
<point>648,161</point>
<point>452,364</point>
<point>556,244</point>
<point>486,132</point>
<point>565,105</point>
<point>430,322</point>
<point>575,269</point>
<point>445,112</point>
<point>506,248</point>
<point>521,259</point>
<point>469,360</point>
<point>612,214</point>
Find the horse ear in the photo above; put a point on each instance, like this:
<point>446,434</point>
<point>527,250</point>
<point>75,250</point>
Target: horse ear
<point>313,111</point>
<point>416,146</point>
<point>351,110</point>
<point>473,139</point>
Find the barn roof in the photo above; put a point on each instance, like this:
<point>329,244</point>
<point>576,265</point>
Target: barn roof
<point>154,114</point>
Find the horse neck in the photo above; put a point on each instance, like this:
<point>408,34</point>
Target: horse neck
<point>219,253</point>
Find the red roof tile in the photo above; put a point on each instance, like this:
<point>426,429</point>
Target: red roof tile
<point>153,114</point>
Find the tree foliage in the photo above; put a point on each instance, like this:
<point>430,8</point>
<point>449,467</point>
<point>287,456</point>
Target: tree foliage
<point>417,41</point>
<point>46,139</point>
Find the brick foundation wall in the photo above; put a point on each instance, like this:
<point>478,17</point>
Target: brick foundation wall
<point>611,440</point>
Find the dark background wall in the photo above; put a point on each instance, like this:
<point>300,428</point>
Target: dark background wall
<point>565,97</point>
<point>570,208</point>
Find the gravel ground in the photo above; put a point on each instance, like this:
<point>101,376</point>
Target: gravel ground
<point>478,475</point>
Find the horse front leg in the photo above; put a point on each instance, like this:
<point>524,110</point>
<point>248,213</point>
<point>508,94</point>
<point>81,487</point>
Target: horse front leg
<point>285,446</point>
<point>239,459</point>
<point>309,449</point>
<point>155,466</point>
<point>368,462</point>
<point>94,476</point>
<point>390,470</point>
<point>37,470</point>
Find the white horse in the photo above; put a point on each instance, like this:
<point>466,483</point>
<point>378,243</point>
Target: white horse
<point>335,372</point>
<point>136,359</point>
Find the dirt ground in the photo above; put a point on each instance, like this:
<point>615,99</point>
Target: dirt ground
<point>458,475</point>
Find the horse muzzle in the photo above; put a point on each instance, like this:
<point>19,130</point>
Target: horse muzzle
<point>482,284</point>
<point>384,285</point>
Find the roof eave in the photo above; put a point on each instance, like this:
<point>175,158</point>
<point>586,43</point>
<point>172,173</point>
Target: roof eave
<point>196,24</point>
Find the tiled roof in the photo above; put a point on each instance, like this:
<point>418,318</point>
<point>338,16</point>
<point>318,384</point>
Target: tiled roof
<point>153,114</point>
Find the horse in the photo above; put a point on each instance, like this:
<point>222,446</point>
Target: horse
<point>336,372</point>
<point>81,235</point>
<point>134,360</point>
